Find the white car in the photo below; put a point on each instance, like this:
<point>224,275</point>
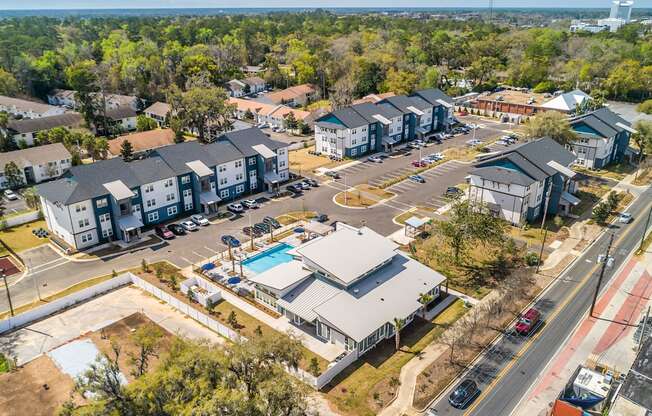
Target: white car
<point>10,195</point>
<point>250,203</point>
<point>474,142</point>
<point>625,218</point>
<point>235,208</point>
<point>199,220</point>
<point>375,159</point>
<point>189,225</point>
<point>438,156</point>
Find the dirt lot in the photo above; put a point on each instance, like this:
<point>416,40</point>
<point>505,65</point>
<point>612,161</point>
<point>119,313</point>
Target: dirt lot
<point>23,391</point>
<point>122,331</point>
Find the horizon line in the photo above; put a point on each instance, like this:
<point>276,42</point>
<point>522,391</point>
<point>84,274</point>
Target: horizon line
<point>316,8</point>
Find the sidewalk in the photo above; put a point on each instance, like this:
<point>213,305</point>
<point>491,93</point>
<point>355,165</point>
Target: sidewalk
<point>606,340</point>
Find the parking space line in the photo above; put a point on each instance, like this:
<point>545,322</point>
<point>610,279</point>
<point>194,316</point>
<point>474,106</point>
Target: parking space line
<point>185,259</point>
<point>198,255</point>
<point>211,250</point>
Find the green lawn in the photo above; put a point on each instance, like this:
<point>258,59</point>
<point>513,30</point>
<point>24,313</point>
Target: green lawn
<point>4,364</point>
<point>352,391</point>
<point>21,238</point>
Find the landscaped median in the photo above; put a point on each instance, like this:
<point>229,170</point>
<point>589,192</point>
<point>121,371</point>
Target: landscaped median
<point>362,196</point>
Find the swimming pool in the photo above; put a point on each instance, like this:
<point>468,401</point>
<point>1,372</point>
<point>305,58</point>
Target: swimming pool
<point>269,258</point>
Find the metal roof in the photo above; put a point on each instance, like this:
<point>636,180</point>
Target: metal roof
<point>119,190</point>
<point>264,151</point>
<point>199,168</point>
<point>283,275</point>
<point>303,299</point>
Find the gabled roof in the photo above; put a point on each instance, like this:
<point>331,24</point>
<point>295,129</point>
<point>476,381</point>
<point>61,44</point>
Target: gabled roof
<point>503,175</point>
<point>120,113</point>
<point>603,120</point>
<point>368,111</point>
<point>349,117</point>
<point>251,81</point>
<point>389,109</point>
<point>144,140</point>
<point>25,105</point>
<point>568,101</point>
<point>433,95</point>
<point>33,125</point>
<point>34,156</point>
<point>402,103</point>
<point>159,108</point>
<point>245,139</point>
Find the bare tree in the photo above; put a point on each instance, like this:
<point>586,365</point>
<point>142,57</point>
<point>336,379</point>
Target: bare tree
<point>452,338</point>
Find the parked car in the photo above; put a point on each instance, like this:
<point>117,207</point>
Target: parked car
<point>250,203</point>
<point>332,174</point>
<point>436,156</point>
<point>473,142</point>
<point>464,394</point>
<point>321,218</point>
<point>10,195</point>
<point>419,163</point>
<point>272,221</point>
<point>414,145</point>
<point>625,217</point>
<point>176,229</point>
<point>294,188</point>
<point>262,227</point>
<point>304,185</point>
<point>374,159</point>
<point>235,208</point>
<point>528,322</point>
<point>417,178</point>
<point>163,232</point>
<point>452,192</point>
<point>189,225</point>
<point>230,240</point>
<point>312,182</point>
<point>251,231</point>
<point>199,220</point>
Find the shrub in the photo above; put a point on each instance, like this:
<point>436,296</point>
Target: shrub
<point>645,107</point>
<point>144,266</point>
<point>559,221</point>
<point>612,200</point>
<point>601,212</point>
<point>313,368</point>
<point>531,259</point>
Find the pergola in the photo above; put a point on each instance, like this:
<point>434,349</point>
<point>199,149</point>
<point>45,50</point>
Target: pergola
<point>415,226</point>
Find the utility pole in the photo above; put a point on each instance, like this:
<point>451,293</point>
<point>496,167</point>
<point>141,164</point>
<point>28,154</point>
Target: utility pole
<point>543,244</point>
<point>604,266</point>
<point>545,206</point>
<point>647,222</point>
<point>4,277</point>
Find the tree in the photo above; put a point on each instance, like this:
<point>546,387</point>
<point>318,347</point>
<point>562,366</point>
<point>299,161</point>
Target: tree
<point>643,138</point>
<point>126,151</point>
<point>13,175</point>
<point>291,122</point>
<point>82,78</point>
<point>601,212</point>
<point>452,338</point>
<point>144,123</point>
<point>2,209</point>
<point>342,93</point>
<point>313,368</point>
<point>147,339</point>
<point>144,266</point>
<point>232,320</point>
<point>424,299</point>
<point>177,127</point>
<point>31,198</point>
<point>201,107</point>
<point>645,107</point>
<point>612,200</point>
<point>550,124</point>
<point>398,325</point>
<point>8,84</point>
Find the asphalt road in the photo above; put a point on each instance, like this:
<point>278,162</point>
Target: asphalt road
<point>506,372</point>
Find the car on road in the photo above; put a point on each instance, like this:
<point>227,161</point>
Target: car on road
<point>272,221</point>
<point>189,225</point>
<point>199,220</point>
<point>419,163</point>
<point>321,218</point>
<point>230,240</point>
<point>332,174</point>
<point>250,203</point>
<point>417,178</point>
<point>312,182</point>
<point>609,259</point>
<point>262,227</point>
<point>473,142</point>
<point>176,229</point>
<point>294,189</point>
<point>464,394</point>
<point>163,232</point>
<point>249,231</point>
<point>10,195</point>
<point>375,159</point>
<point>625,217</point>
<point>235,208</point>
<point>452,192</point>
<point>528,322</point>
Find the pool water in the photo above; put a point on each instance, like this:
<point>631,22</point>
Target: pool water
<point>269,258</point>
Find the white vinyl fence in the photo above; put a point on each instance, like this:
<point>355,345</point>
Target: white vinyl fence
<point>22,219</point>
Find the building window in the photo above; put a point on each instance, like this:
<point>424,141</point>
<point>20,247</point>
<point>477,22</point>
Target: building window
<point>80,208</point>
<point>169,197</point>
<point>187,206</point>
<point>187,193</point>
<point>239,189</point>
<point>223,181</point>
<point>252,174</point>
<point>84,223</point>
<point>281,164</point>
<point>253,185</point>
<point>363,149</point>
<point>101,203</point>
<point>238,163</point>
<point>152,216</point>
<point>224,193</point>
<point>168,183</point>
<point>221,168</point>
<point>354,152</point>
<point>151,203</point>
<point>107,233</point>
<point>252,161</point>
<point>105,218</point>
<point>185,179</point>
<point>172,210</point>
<point>239,177</point>
<point>149,188</point>
<point>87,238</point>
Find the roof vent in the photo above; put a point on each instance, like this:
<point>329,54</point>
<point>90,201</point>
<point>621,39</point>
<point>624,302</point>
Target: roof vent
<point>356,291</point>
<point>382,299</point>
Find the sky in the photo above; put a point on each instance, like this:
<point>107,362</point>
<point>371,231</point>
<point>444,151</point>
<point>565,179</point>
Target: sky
<point>116,4</point>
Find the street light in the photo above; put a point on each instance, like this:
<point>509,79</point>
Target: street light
<point>4,277</point>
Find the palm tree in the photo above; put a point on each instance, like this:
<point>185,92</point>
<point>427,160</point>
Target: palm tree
<point>398,325</point>
<point>424,299</point>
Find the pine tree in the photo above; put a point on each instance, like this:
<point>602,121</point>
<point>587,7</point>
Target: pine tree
<point>126,151</point>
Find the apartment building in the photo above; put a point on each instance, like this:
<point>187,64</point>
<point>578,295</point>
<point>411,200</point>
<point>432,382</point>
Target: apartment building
<point>369,127</point>
<point>114,200</point>
<point>603,138</point>
<point>67,98</point>
<point>521,183</point>
<point>25,130</point>
<point>36,164</point>
<point>28,109</point>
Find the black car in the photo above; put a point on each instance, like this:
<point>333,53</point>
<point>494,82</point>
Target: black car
<point>321,218</point>
<point>272,221</point>
<point>452,192</point>
<point>464,394</point>
<point>312,182</point>
<point>294,188</point>
<point>248,231</point>
<point>332,174</point>
<point>262,227</point>
<point>176,229</point>
<point>230,240</point>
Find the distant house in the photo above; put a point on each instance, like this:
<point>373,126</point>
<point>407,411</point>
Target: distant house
<point>253,70</point>
<point>521,102</point>
<point>123,118</point>
<point>294,96</point>
<point>28,109</point>
<point>567,102</point>
<point>142,141</point>
<point>274,115</point>
<point>256,84</point>
<point>159,112</point>
<point>67,98</point>
<point>64,98</point>
<point>26,129</point>
<point>373,98</point>
<point>521,183</point>
<point>37,164</point>
<point>236,88</point>
<point>278,115</point>
<point>603,138</point>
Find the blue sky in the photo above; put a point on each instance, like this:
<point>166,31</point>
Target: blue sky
<point>91,4</point>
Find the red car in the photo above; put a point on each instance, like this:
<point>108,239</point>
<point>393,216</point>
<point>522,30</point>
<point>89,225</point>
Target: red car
<point>163,232</point>
<point>528,321</point>
<point>419,163</point>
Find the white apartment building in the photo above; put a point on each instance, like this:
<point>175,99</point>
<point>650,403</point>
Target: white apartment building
<point>36,164</point>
